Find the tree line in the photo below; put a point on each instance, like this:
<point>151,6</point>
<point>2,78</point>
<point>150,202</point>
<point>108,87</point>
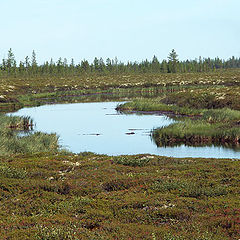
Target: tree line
<point>29,67</point>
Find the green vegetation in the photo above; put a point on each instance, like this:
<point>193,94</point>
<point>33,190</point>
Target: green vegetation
<point>197,133</point>
<point>87,95</point>
<point>28,79</point>
<point>11,141</point>
<point>133,161</point>
<point>88,196</point>
<point>48,194</point>
<point>155,105</point>
<point>210,126</point>
<point>213,97</point>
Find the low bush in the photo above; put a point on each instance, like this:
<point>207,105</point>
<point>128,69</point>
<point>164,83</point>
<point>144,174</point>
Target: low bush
<point>189,189</point>
<point>132,161</point>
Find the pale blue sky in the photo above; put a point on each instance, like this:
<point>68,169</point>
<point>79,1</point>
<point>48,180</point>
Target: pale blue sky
<point>129,29</point>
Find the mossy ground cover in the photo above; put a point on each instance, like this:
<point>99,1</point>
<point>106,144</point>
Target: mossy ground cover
<point>17,92</point>
<point>88,196</point>
<point>213,97</point>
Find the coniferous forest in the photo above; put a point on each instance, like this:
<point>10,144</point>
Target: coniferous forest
<point>63,67</point>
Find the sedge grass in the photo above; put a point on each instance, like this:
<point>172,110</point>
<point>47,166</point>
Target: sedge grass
<point>155,105</point>
<point>195,132</point>
<point>218,126</point>
<point>11,142</point>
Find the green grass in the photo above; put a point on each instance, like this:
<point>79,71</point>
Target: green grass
<point>14,122</point>
<point>132,161</point>
<point>221,115</point>
<point>195,133</point>
<point>13,143</point>
<point>155,105</point>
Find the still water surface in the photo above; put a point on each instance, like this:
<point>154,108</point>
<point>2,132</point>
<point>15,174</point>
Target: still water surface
<point>97,127</point>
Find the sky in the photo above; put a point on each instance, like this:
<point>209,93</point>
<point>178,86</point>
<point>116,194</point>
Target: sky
<point>131,30</point>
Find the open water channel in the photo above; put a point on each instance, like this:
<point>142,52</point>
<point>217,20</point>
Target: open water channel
<point>98,127</point>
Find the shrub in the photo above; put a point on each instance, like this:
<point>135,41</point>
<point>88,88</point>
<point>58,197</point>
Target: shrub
<point>189,189</point>
<point>10,172</point>
<point>132,161</point>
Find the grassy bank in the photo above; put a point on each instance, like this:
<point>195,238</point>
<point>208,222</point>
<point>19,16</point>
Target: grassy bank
<point>11,141</point>
<point>197,133</point>
<point>87,196</point>
<point>210,126</point>
<point>219,127</point>
<point>156,105</point>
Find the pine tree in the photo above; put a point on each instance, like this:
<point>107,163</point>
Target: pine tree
<point>21,68</point>
<point>60,66</point>
<point>4,64</point>
<point>34,58</point>
<point>101,65</point>
<point>96,64</point>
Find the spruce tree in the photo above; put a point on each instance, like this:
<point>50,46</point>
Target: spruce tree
<point>173,61</point>
<point>34,62</point>
<point>11,62</point>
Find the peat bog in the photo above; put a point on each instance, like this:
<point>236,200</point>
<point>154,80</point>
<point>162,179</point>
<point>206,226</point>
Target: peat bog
<point>47,193</point>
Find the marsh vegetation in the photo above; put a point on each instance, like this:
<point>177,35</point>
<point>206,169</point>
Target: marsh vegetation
<point>48,194</point>
<point>12,142</point>
<point>205,122</point>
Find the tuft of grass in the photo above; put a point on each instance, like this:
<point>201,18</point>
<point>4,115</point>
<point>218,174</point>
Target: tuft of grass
<point>211,126</point>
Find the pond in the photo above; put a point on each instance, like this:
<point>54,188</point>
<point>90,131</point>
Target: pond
<point>98,127</point>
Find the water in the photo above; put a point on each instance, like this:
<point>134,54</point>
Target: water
<point>97,127</point>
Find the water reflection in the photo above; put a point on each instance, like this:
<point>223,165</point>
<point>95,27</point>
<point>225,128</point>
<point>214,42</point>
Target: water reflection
<point>97,127</point>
